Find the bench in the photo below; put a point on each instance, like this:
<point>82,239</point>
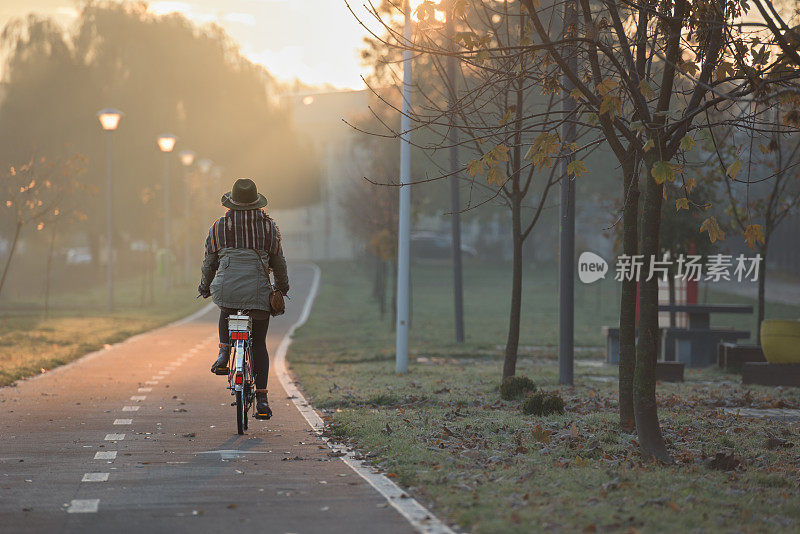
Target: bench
<point>771,374</point>
<point>695,346</point>
<point>669,371</point>
<point>731,356</point>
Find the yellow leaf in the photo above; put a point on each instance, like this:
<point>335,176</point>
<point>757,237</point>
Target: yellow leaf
<point>687,143</point>
<point>576,168</point>
<point>648,145</point>
<point>711,226</point>
<point>645,89</point>
<point>662,171</point>
<point>681,204</point>
<point>734,169</point>
<point>606,86</point>
<point>754,233</point>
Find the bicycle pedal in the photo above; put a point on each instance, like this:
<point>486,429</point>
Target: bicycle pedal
<point>221,371</point>
<point>233,403</point>
<point>262,417</point>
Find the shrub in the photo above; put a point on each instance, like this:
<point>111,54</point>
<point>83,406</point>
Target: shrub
<point>543,403</point>
<point>516,387</point>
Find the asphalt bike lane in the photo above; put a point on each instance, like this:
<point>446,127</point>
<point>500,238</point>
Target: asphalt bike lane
<point>141,437</point>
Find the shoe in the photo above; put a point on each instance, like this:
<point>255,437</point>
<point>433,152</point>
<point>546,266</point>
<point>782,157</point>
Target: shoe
<point>263,411</point>
<point>220,366</point>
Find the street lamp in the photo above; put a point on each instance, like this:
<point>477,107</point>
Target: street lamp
<point>109,120</point>
<point>404,215</point>
<point>166,143</point>
<point>187,159</point>
<point>204,165</point>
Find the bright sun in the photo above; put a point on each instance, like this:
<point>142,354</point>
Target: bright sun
<point>416,3</point>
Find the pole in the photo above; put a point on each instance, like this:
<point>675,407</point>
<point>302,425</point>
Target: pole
<point>110,214</point>
<point>566,279</point>
<point>167,258</point>
<point>404,216</point>
<point>455,204</point>
<point>186,241</point>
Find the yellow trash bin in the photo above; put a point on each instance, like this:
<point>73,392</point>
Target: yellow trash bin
<point>780,341</point>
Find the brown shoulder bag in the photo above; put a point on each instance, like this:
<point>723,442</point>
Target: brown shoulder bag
<point>277,306</point>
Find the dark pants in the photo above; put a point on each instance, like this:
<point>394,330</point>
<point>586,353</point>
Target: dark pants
<point>258,345</point>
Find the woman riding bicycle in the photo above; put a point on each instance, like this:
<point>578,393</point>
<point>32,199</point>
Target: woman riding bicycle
<point>234,276</point>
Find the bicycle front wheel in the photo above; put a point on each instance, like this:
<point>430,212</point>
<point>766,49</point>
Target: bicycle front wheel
<point>241,415</point>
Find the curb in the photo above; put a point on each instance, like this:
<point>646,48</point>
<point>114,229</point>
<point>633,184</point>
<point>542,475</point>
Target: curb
<point>420,518</point>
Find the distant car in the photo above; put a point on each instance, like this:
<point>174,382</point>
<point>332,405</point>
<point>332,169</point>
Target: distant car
<point>79,256</point>
<point>435,246</point>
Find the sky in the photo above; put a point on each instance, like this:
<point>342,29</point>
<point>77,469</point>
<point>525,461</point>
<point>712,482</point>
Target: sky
<point>317,41</point>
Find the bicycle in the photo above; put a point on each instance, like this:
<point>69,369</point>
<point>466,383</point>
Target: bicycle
<point>241,381</point>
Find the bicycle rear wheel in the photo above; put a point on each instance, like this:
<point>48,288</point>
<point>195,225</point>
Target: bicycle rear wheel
<point>241,415</point>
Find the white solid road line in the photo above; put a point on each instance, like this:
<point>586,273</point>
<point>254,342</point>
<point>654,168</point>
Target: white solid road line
<point>138,398</point>
<point>114,437</point>
<point>123,421</point>
<point>95,477</point>
<point>130,408</point>
<point>415,513</point>
<point>83,506</point>
<point>105,455</point>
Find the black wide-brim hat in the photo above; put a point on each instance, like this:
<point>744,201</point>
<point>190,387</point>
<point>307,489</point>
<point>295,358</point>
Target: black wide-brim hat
<point>244,196</point>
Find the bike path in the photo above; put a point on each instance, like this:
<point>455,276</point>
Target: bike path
<point>141,437</point>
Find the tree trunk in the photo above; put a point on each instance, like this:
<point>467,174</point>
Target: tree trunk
<point>48,271</point>
<point>651,441</point>
<point>10,255</point>
<point>627,309</point>
<point>512,344</point>
<point>762,280</point>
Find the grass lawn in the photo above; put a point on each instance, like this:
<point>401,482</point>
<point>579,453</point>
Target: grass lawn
<point>443,432</point>
<point>31,343</point>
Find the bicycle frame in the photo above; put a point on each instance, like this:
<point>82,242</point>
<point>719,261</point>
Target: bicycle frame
<point>241,379</point>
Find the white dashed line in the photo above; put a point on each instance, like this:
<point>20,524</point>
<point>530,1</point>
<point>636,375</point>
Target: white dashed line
<point>151,383</point>
<point>105,455</point>
<point>138,398</point>
<point>130,408</point>
<point>123,421</point>
<point>157,377</point>
<point>145,390</point>
<point>163,372</point>
<point>114,437</point>
<point>83,506</point>
<point>95,477</point>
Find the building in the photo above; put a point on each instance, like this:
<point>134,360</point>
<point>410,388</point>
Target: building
<point>316,232</point>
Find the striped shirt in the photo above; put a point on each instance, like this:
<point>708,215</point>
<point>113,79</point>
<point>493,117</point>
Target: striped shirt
<point>244,229</point>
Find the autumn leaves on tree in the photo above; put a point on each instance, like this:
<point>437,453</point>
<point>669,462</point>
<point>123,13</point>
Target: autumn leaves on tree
<point>650,82</point>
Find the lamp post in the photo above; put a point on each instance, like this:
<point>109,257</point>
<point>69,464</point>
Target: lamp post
<point>109,121</point>
<point>566,271</point>
<point>166,143</point>
<point>204,166</point>
<point>187,159</point>
<point>404,215</point>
